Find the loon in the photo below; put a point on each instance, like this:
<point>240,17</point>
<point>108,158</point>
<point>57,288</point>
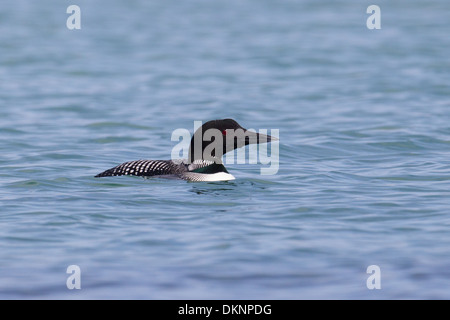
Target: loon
<point>204,163</point>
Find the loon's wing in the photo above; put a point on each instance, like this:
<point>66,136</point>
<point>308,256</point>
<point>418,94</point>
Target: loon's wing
<point>145,168</point>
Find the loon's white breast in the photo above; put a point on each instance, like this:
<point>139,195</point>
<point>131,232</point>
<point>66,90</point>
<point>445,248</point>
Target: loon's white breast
<point>219,176</point>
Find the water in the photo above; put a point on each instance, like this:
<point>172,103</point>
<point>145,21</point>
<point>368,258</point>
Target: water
<point>364,173</point>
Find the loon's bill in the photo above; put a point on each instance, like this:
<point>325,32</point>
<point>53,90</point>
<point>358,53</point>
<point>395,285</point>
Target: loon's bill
<point>201,165</point>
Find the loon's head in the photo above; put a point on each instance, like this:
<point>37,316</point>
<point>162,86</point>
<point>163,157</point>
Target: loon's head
<point>217,137</point>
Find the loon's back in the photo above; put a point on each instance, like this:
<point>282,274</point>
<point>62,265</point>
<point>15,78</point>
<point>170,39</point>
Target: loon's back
<point>145,168</point>
<point>199,170</point>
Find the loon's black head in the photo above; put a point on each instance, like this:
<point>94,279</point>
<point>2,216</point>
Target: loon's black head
<point>217,137</point>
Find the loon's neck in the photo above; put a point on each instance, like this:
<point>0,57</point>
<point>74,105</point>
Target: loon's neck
<point>206,166</point>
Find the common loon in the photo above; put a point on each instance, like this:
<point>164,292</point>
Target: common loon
<point>204,163</point>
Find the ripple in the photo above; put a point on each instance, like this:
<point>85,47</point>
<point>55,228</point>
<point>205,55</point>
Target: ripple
<point>364,167</point>
<point>111,125</point>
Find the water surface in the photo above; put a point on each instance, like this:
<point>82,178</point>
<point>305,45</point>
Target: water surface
<point>364,120</point>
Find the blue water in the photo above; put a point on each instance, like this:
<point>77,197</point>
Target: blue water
<point>364,178</point>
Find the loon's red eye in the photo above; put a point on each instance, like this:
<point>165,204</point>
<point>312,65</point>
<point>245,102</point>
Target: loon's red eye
<point>224,132</point>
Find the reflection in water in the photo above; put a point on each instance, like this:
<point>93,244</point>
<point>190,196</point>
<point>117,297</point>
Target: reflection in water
<point>224,188</point>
